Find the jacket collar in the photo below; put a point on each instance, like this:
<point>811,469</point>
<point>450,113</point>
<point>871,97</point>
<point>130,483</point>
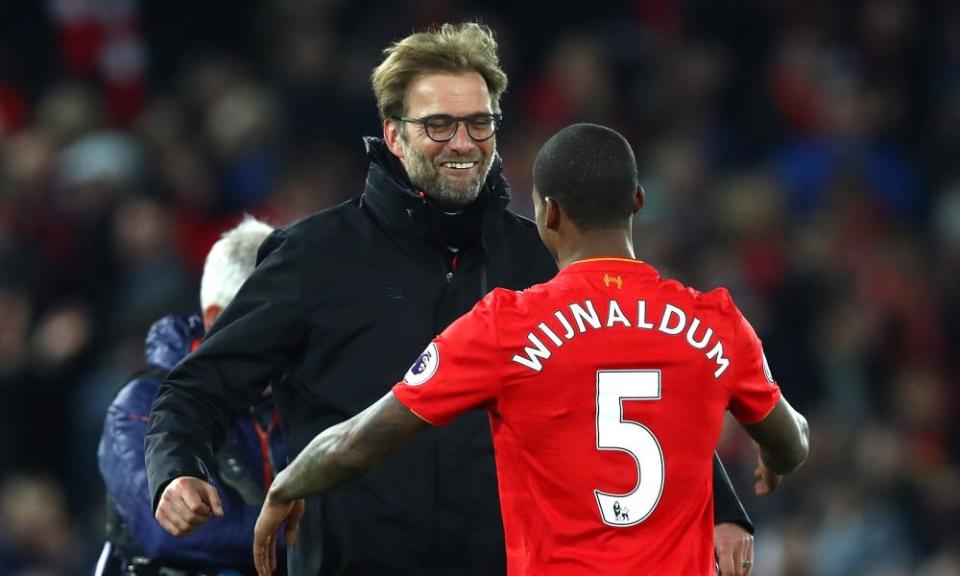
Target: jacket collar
<point>400,208</point>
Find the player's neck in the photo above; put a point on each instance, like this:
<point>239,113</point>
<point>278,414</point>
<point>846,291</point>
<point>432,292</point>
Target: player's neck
<point>595,244</point>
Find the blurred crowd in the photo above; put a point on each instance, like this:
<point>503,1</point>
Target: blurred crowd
<point>801,154</point>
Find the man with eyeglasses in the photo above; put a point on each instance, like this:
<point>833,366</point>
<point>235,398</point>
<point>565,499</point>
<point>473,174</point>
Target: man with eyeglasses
<point>343,299</point>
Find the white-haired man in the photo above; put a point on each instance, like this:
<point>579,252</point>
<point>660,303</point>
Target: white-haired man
<point>245,465</point>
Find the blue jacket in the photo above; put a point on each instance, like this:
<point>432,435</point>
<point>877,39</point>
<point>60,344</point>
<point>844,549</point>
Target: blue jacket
<point>223,542</point>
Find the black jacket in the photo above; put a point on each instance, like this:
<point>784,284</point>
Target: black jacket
<point>340,305</point>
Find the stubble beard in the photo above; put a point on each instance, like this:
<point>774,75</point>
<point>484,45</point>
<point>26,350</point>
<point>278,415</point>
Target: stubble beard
<point>451,193</point>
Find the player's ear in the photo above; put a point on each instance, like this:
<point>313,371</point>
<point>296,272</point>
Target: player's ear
<point>638,199</point>
<point>392,136</point>
<point>552,215</point>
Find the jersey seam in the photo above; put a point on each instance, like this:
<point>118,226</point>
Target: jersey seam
<point>417,414</point>
<point>736,342</point>
<point>496,336</point>
<point>606,259</point>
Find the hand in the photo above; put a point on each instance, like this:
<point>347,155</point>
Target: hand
<point>766,480</point>
<point>734,549</point>
<point>186,504</point>
<point>272,516</point>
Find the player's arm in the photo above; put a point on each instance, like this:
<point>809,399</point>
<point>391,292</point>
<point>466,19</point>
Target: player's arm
<point>334,457</point>
<point>343,452</point>
<point>756,401</point>
<point>783,437</point>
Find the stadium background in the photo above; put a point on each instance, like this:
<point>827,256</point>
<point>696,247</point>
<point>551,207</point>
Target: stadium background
<point>801,153</point>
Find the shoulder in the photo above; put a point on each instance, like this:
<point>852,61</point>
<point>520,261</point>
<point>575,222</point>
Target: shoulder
<point>169,339</point>
<point>500,298</point>
<point>717,299</point>
<point>720,302</point>
<point>320,222</point>
<point>137,395</point>
<point>505,305</point>
<point>494,304</point>
<point>715,307</point>
<point>318,228</point>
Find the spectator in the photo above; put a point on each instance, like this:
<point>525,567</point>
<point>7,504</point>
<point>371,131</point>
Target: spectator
<point>244,466</point>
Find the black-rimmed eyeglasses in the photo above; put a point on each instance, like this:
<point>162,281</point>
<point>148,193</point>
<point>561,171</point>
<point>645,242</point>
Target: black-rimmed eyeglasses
<point>443,127</point>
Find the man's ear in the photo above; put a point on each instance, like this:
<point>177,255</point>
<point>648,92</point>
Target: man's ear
<point>639,198</point>
<point>391,135</point>
<point>552,214</point>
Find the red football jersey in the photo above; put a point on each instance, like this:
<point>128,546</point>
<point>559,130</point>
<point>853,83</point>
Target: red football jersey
<point>606,389</point>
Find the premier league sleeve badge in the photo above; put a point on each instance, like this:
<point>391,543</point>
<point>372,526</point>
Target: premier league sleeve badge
<point>425,366</point>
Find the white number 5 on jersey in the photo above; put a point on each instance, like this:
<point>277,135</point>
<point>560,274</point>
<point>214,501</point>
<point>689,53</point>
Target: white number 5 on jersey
<point>615,433</point>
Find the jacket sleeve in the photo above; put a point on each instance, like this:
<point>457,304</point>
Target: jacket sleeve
<point>726,505</point>
<point>251,344</point>
<point>223,541</point>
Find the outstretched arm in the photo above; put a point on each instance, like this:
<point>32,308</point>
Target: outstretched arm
<point>334,457</point>
<point>343,452</point>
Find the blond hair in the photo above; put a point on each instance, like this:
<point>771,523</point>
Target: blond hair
<point>453,49</point>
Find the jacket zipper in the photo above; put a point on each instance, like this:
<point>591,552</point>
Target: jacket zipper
<point>453,264</point>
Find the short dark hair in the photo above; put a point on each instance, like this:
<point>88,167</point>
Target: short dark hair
<point>591,172</point>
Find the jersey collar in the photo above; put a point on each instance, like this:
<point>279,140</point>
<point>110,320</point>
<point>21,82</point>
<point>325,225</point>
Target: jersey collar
<point>608,263</point>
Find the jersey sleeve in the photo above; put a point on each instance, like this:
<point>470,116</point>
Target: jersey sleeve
<point>753,390</point>
<point>458,371</point>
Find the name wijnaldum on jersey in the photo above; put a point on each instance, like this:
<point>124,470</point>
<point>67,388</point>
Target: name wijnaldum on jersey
<point>578,318</point>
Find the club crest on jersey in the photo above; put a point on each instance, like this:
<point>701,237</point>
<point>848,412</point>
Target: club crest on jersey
<point>425,366</point>
<point>614,280</point>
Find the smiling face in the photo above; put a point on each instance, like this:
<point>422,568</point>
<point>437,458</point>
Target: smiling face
<point>451,173</point>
